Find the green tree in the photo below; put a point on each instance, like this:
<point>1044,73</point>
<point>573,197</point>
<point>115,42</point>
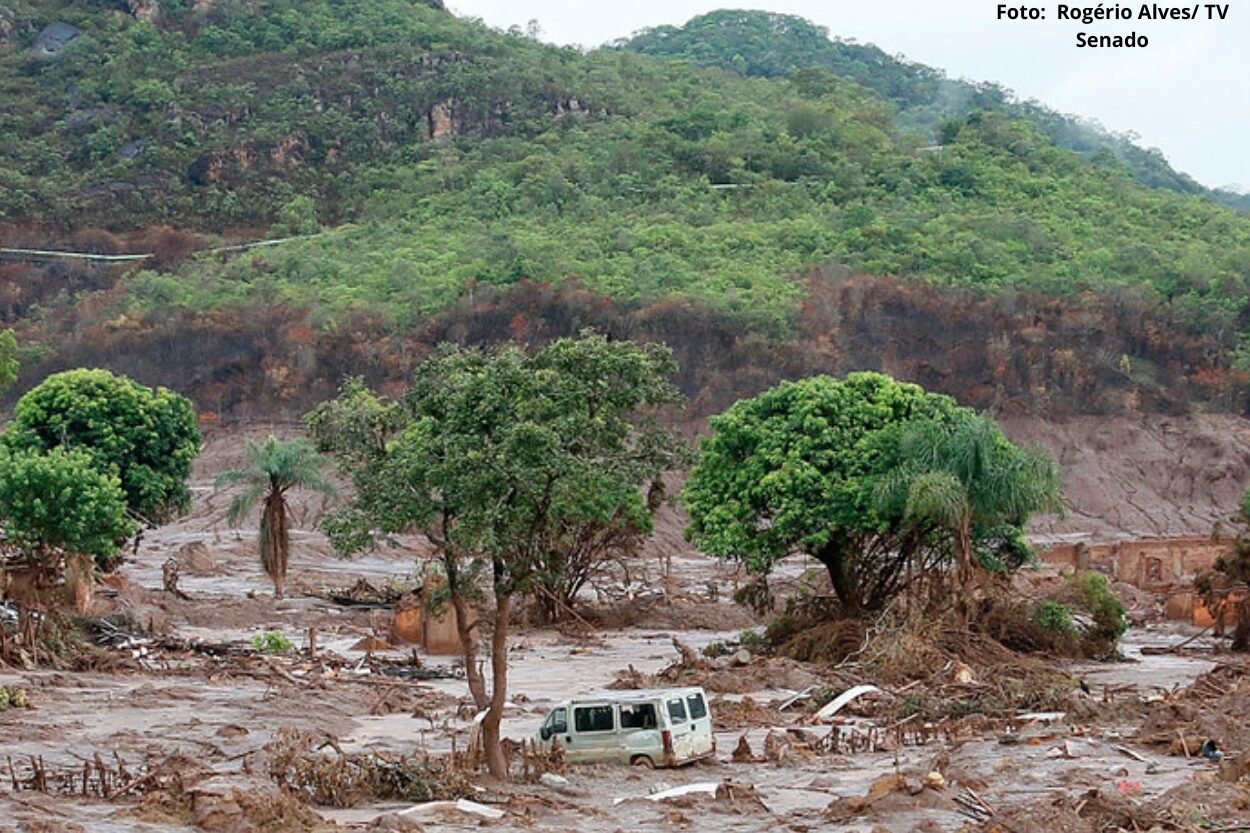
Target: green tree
<point>59,503</point>
<point>9,365</point>
<point>273,469</point>
<point>501,449</point>
<point>147,437</point>
<point>799,468</point>
<point>967,480</point>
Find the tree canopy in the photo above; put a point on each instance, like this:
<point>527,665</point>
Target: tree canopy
<point>60,501</point>
<point>803,468</point>
<point>147,438</point>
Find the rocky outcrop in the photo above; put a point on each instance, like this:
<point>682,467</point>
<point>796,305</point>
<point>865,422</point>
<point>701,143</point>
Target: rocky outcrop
<point>228,167</point>
<point>7,27</point>
<point>52,40</point>
<point>442,120</point>
<point>149,10</point>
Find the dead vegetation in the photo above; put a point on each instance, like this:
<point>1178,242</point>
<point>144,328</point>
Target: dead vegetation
<point>1199,806</point>
<point>1213,707</point>
<point>301,765</point>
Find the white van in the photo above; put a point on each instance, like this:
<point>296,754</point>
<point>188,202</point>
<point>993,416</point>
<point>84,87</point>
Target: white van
<point>658,727</point>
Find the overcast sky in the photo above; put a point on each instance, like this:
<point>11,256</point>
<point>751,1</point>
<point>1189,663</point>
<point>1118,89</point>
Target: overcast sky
<point>1186,93</point>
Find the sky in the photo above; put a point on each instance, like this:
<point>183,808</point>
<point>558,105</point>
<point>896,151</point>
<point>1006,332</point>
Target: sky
<point>1186,93</point>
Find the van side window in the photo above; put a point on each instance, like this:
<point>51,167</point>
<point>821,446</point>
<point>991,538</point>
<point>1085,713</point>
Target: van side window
<point>698,708</point>
<point>638,716</point>
<point>677,710</point>
<point>593,719</point>
<point>559,721</point>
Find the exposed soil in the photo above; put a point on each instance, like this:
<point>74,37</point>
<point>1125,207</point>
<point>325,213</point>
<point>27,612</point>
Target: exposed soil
<point>1128,477</point>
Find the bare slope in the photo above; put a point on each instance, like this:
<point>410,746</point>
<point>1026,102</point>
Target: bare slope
<point>1129,477</point>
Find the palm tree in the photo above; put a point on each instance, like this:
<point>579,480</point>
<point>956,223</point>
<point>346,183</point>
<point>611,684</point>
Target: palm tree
<point>967,476</point>
<point>274,467</point>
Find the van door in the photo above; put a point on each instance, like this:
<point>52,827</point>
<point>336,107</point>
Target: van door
<point>555,728</point>
<point>704,742</point>
<point>594,736</point>
<point>683,731</point>
<point>640,733</point>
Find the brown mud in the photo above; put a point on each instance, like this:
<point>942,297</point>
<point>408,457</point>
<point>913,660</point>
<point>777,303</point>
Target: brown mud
<point>168,737</point>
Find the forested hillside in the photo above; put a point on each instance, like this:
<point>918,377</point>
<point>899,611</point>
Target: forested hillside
<point>449,181</point>
<point>771,45</point>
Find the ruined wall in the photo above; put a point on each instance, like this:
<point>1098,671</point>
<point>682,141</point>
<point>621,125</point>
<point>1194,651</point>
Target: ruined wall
<point>1164,566</point>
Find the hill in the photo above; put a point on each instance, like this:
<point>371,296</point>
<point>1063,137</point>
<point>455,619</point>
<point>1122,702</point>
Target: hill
<point>771,45</point>
<point>446,181</point>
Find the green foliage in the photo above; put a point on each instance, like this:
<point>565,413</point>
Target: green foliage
<point>716,649</point>
<point>13,697</point>
<point>9,365</point>
<point>1094,594</point>
<point>297,217</point>
<point>1055,618</point>
<point>791,470</point>
<point>754,641</point>
<point>867,475</point>
<point>61,500</point>
<point>272,642</point>
<point>274,467</point>
<point>772,45</point>
<point>504,455</point>
<point>147,438</point>
<point>965,477</point>
<point>666,182</point>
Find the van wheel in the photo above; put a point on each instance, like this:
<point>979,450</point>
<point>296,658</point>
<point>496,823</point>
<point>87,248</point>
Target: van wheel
<point>642,760</point>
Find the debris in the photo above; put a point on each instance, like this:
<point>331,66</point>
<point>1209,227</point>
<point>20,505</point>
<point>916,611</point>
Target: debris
<point>434,809</point>
<point>775,747</point>
<point>706,788</point>
<point>1136,756</point>
<point>790,701</point>
<point>742,753</point>
<point>298,765</point>
<point>838,703</point>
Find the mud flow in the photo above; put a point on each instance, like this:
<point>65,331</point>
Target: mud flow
<point>214,707</point>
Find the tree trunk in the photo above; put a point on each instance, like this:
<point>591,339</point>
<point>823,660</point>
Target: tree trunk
<point>465,630</point>
<point>963,569</point>
<point>1241,633</point>
<point>275,541</point>
<point>495,760</point>
<point>468,648</point>
<point>833,556</point>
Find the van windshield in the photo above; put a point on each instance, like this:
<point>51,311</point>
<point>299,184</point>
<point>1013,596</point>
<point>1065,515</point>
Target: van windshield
<point>677,710</point>
<point>558,721</point>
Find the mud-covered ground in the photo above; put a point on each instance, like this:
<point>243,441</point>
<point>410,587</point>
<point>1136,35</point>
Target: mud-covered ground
<point>199,724</point>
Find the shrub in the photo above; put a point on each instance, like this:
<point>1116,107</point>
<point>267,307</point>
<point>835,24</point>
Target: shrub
<point>271,642</point>
<point>1055,617</point>
<point>1094,594</point>
<point>715,649</point>
<point>754,641</point>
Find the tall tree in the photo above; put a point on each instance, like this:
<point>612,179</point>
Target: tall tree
<point>148,437</point>
<point>499,450</point>
<point>59,503</point>
<point>799,468</point>
<point>274,468</point>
